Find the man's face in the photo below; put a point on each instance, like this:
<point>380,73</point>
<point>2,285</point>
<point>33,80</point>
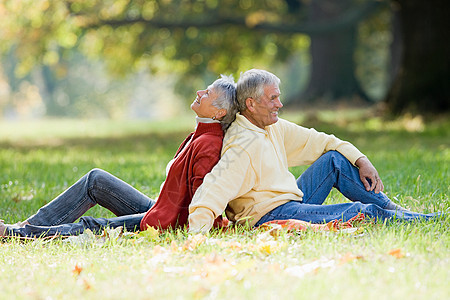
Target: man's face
<point>203,103</point>
<point>265,109</point>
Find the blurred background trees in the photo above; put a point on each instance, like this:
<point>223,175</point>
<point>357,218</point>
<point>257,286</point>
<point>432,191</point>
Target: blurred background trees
<point>122,58</point>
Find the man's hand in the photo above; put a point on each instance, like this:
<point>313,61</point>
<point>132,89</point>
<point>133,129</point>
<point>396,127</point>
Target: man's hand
<point>368,171</point>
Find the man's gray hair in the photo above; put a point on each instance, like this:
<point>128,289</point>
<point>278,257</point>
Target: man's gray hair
<point>251,85</point>
<point>225,87</point>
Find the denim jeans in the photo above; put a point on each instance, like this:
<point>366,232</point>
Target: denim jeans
<point>332,169</point>
<point>96,187</point>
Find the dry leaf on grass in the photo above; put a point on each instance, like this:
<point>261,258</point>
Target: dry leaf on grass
<point>194,241</point>
<point>349,257</point>
<point>77,270</point>
<point>267,244</point>
<point>397,253</point>
<point>151,234</point>
<point>269,247</point>
<point>86,284</point>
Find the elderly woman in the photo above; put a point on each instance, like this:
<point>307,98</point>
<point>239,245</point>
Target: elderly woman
<point>215,108</point>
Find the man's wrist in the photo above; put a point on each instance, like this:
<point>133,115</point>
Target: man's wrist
<point>363,160</point>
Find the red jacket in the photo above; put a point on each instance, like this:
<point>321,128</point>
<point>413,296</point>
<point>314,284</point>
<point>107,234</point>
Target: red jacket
<point>185,175</point>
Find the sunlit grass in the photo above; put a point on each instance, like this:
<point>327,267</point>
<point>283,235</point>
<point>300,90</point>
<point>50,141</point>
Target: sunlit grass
<point>398,261</point>
<point>53,130</point>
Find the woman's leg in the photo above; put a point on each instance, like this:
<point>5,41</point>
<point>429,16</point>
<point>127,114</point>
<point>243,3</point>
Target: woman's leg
<point>332,169</point>
<point>315,213</point>
<point>96,225</point>
<point>96,187</point>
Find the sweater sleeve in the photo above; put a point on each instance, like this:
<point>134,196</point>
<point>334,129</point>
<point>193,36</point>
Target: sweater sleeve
<point>304,146</point>
<point>225,182</point>
<point>207,154</point>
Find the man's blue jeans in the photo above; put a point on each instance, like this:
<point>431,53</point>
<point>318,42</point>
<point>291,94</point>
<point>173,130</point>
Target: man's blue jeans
<point>332,169</point>
<point>96,187</point>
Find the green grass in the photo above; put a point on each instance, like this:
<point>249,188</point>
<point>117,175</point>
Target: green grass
<point>38,160</point>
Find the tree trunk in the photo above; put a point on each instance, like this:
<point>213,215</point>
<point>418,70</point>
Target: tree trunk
<point>422,83</point>
<point>396,48</point>
<point>333,66</point>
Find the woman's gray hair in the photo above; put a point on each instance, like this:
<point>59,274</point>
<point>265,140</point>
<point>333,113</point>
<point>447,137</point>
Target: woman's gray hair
<point>225,87</point>
<point>251,85</point>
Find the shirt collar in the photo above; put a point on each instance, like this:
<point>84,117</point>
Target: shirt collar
<point>244,122</point>
<point>205,120</point>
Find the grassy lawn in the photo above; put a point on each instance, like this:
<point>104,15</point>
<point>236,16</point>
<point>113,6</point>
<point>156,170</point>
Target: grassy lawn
<point>40,159</point>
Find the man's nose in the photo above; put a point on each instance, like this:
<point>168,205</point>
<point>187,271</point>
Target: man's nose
<point>278,103</point>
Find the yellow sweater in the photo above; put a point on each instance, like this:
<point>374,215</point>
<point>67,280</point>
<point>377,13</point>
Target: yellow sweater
<point>252,176</point>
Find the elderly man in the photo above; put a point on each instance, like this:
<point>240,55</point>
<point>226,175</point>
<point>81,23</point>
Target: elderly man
<point>252,182</point>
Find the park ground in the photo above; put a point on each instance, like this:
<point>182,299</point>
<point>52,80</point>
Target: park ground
<point>39,159</point>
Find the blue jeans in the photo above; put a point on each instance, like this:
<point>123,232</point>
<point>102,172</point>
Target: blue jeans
<point>96,187</point>
<point>332,169</point>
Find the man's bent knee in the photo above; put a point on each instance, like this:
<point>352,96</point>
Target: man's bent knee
<point>333,156</point>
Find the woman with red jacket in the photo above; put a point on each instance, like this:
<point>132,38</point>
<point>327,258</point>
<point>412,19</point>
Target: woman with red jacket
<point>215,107</point>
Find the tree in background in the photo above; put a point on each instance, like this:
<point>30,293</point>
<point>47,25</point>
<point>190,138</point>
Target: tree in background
<point>422,82</point>
<point>333,70</point>
<point>189,37</point>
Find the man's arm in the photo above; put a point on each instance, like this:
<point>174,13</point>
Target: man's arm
<point>368,171</point>
<point>305,145</point>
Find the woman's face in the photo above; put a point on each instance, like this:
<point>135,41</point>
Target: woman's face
<point>203,103</point>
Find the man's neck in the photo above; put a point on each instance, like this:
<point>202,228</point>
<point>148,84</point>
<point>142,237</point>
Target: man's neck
<point>248,115</point>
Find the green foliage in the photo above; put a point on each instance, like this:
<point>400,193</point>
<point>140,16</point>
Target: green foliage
<point>193,41</point>
<point>186,37</point>
<point>128,33</point>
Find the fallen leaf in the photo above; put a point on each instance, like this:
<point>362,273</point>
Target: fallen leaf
<point>269,247</point>
<point>86,284</point>
<point>151,234</point>
<point>397,253</point>
<point>194,241</point>
<point>214,258</point>
<point>174,246</point>
<point>233,245</point>
<point>157,250</point>
<point>83,239</point>
<point>349,257</point>
<point>77,270</point>
<point>201,292</point>
<point>112,233</point>
<point>273,229</point>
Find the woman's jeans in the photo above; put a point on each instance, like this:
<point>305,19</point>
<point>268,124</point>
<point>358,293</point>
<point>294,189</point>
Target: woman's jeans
<point>96,187</point>
<point>333,170</point>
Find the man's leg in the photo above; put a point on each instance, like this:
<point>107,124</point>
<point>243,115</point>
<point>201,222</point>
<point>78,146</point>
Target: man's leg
<point>332,169</point>
<point>325,213</point>
<point>96,225</point>
<point>96,187</point>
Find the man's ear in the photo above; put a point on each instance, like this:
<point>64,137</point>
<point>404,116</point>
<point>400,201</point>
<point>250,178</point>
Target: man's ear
<point>250,102</point>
